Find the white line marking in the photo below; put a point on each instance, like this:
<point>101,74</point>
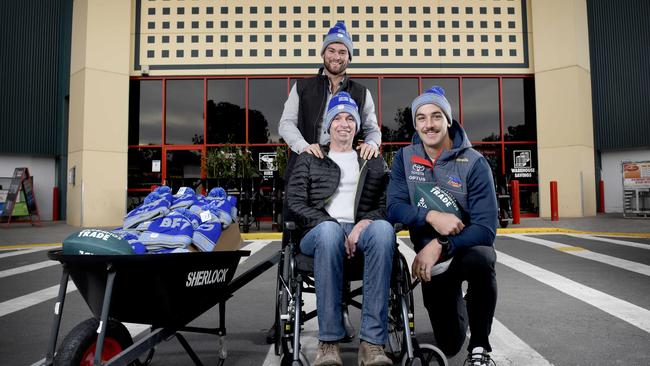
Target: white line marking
<point>22,302</point>
<point>254,247</point>
<point>27,268</point>
<point>407,252</point>
<point>24,251</point>
<point>508,349</point>
<point>135,329</point>
<point>611,241</point>
<point>587,254</point>
<point>633,314</point>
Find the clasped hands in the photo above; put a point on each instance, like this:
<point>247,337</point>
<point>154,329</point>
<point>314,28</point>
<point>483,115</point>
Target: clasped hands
<point>445,224</point>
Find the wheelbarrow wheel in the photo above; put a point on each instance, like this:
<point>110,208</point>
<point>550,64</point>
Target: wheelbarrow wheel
<point>78,347</point>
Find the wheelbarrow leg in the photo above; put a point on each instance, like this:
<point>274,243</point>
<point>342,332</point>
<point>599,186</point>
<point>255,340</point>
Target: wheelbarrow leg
<point>56,324</point>
<point>222,350</point>
<point>103,321</point>
<point>189,349</point>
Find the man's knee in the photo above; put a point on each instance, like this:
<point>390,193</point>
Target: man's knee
<point>480,259</point>
<point>326,237</point>
<point>381,235</point>
<point>330,235</point>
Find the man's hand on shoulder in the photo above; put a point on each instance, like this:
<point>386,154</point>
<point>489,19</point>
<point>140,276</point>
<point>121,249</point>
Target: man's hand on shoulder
<point>368,151</point>
<point>444,223</point>
<point>314,149</point>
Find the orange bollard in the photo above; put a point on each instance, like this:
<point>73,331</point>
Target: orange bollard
<point>514,192</point>
<point>601,197</point>
<point>554,213</point>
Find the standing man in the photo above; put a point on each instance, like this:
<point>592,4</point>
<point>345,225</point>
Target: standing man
<point>339,204</point>
<point>302,119</point>
<point>450,250</point>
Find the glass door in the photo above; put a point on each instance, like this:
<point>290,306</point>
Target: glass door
<point>183,167</point>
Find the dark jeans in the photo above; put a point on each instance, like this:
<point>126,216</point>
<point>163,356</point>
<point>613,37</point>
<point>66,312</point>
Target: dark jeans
<point>450,313</point>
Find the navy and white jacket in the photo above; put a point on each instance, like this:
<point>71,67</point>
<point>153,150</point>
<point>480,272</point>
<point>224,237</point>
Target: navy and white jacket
<point>463,172</point>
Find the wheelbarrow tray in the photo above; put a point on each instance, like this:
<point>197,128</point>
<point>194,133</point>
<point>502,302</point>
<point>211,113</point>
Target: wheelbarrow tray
<point>158,289</point>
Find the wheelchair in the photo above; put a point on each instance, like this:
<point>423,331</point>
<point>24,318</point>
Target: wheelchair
<point>295,277</point>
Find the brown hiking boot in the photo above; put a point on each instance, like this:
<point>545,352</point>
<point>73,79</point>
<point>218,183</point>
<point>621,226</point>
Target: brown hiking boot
<point>328,354</point>
<point>372,355</point>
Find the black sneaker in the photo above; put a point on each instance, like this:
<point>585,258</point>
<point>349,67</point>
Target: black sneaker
<point>479,357</point>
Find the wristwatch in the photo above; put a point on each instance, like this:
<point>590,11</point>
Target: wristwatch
<point>444,243</point>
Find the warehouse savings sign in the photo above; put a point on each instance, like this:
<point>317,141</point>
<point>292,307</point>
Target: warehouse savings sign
<point>522,164</point>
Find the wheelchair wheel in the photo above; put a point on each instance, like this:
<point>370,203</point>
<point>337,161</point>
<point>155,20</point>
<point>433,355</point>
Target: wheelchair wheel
<point>281,302</point>
<point>287,360</point>
<point>284,327</point>
<point>396,332</point>
<point>78,347</point>
<point>428,355</point>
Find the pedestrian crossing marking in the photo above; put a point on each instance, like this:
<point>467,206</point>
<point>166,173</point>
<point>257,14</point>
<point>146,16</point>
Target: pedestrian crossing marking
<point>16,252</point>
<point>27,268</point>
<point>633,314</point>
<point>612,241</point>
<point>587,254</point>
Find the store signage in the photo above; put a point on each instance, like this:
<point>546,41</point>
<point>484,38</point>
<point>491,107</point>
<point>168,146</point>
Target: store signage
<point>522,164</point>
<point>21,182</point>
<point>636,174</point>
<point>636,188</point>
<point>267,163</point>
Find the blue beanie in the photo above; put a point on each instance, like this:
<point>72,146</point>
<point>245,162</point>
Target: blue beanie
<point>338,34</point>
<point>342,102</point>
<point>435,95</point>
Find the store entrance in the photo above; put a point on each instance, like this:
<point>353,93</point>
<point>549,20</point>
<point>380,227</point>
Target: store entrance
<point>183,167</point>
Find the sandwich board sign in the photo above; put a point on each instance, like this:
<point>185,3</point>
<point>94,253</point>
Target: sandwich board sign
<point>21,183</point>
<point>636,188</point>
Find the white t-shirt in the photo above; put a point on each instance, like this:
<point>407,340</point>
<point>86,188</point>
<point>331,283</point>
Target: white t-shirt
<point>341,204</point>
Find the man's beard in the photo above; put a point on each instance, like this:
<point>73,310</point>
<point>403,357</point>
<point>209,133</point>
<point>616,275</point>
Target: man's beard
<point>343,66</point>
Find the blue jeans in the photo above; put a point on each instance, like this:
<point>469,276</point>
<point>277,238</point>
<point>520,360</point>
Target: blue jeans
<point>326,243</point>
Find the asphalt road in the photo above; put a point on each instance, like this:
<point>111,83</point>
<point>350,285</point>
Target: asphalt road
<point>563,300</point>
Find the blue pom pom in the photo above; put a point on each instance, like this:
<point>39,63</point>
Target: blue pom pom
<point>436,90</point>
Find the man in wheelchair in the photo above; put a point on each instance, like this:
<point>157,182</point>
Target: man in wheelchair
<point>339,205</point>
<point>441,158</point>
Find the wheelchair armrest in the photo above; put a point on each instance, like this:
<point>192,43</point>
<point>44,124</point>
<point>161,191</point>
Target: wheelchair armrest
<point>399,227</point>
